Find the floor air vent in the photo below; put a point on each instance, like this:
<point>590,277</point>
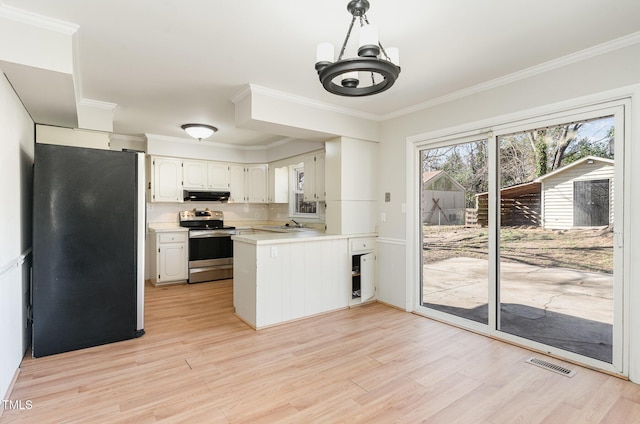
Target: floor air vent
<point>551,367</point>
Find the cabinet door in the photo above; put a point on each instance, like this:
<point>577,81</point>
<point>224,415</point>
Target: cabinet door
<point>310,178</point>
<point>236,184</point>
<point>367,276</point>
<point>194,174</point>
<point>279,184</point>
<point>218,176</point>
<point>314,177</point>
<point>166,184</point>
<point>318,177</point>
<point>257,183</point>
<point>172,260</point>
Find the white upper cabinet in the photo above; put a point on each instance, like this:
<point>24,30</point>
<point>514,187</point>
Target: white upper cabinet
<point>201,175</point>
<point>314,185</point>
<point>218,176</point>
<point>72,137</point>
<point>279,184</point>
<point>236,184</point>
<point>248,183</point>
<point>319,177</point>
<point>194,174</point>
<point>166,180</point>
<point>256,183</point>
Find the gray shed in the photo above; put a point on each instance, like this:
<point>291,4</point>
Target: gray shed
<point>579,194</point>
<point>442,199</point>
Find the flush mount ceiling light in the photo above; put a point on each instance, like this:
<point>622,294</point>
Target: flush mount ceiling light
<point>199,131</point>
<point>373,71</point>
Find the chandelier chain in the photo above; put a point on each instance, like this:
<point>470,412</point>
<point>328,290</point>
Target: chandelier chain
<point>346,39</point>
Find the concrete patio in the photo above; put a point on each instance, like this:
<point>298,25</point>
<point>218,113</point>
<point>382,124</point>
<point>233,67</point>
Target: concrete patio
<point>566,308</point>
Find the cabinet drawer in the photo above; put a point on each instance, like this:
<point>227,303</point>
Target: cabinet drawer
<point>172,237</point>
<point>363,244</point>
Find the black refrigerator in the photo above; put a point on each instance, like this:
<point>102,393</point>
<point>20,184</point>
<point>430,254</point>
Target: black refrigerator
<point>88,248</point>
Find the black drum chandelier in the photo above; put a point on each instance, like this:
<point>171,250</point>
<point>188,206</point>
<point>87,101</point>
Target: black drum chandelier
<point>373,71</point>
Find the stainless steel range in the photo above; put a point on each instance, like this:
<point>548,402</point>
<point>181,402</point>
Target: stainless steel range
<point>210,245</point>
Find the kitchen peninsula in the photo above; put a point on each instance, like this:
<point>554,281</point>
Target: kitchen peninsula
<point>280,277</point>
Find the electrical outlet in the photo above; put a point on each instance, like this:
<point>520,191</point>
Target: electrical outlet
<point>387,197</point>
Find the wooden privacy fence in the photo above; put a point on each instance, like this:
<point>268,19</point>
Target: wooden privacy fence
<point>523,210</point>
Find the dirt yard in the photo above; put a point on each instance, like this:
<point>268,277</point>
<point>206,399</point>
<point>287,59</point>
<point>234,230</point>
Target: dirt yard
<point>589,249</point>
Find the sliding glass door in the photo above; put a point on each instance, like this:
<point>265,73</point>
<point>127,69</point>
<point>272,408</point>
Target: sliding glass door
<point>556,236</point>
<point>521,233</point>
<point>455,240</point>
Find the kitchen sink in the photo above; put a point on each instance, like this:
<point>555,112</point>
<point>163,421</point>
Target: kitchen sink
<point>285,228</point>
<point>280,228</point>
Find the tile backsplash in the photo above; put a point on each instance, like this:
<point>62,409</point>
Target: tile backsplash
<point>233,212</point>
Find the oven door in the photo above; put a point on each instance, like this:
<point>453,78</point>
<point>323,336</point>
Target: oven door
<point>210,255</point>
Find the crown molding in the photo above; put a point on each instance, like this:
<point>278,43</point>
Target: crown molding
<point>560,62</point>
<point>127,137</point>
<point>304,101</point>
<point>97,104</point>
<point>35,19</point>
<point>189,140</point>
<point>282,141</point>
<point>241,94</point>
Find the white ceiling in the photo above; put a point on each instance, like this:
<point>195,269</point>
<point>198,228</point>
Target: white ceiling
<point>169,62</point>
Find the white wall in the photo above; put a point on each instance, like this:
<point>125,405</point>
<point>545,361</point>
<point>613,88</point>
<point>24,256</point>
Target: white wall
<point>16,192</point>
<point>539,89</point>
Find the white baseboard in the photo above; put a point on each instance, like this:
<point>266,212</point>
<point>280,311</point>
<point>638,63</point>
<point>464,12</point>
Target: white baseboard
<point>10,388</point>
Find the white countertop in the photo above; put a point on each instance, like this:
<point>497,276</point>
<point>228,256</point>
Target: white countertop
<point>270,237</point>
<point>292,237</point>
<point>160,227</point>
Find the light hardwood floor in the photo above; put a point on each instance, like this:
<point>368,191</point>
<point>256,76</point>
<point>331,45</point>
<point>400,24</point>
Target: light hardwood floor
<point>198,363</point>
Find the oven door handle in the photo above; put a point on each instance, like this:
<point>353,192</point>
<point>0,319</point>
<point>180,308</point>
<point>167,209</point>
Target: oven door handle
<point>209,235</point>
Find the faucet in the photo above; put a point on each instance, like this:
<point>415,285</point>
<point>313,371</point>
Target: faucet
<point>297,224</point>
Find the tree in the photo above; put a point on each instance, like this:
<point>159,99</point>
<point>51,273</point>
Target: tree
<point>548,149</point>
<point>539,147</point>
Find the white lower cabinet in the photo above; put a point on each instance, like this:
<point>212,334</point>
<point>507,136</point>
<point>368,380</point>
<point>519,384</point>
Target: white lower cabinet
<point>363,269</point>
<point>275,283</point>
<point>171,257</point>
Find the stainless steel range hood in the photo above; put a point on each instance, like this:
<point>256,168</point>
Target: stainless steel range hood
<point>206,196</point>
